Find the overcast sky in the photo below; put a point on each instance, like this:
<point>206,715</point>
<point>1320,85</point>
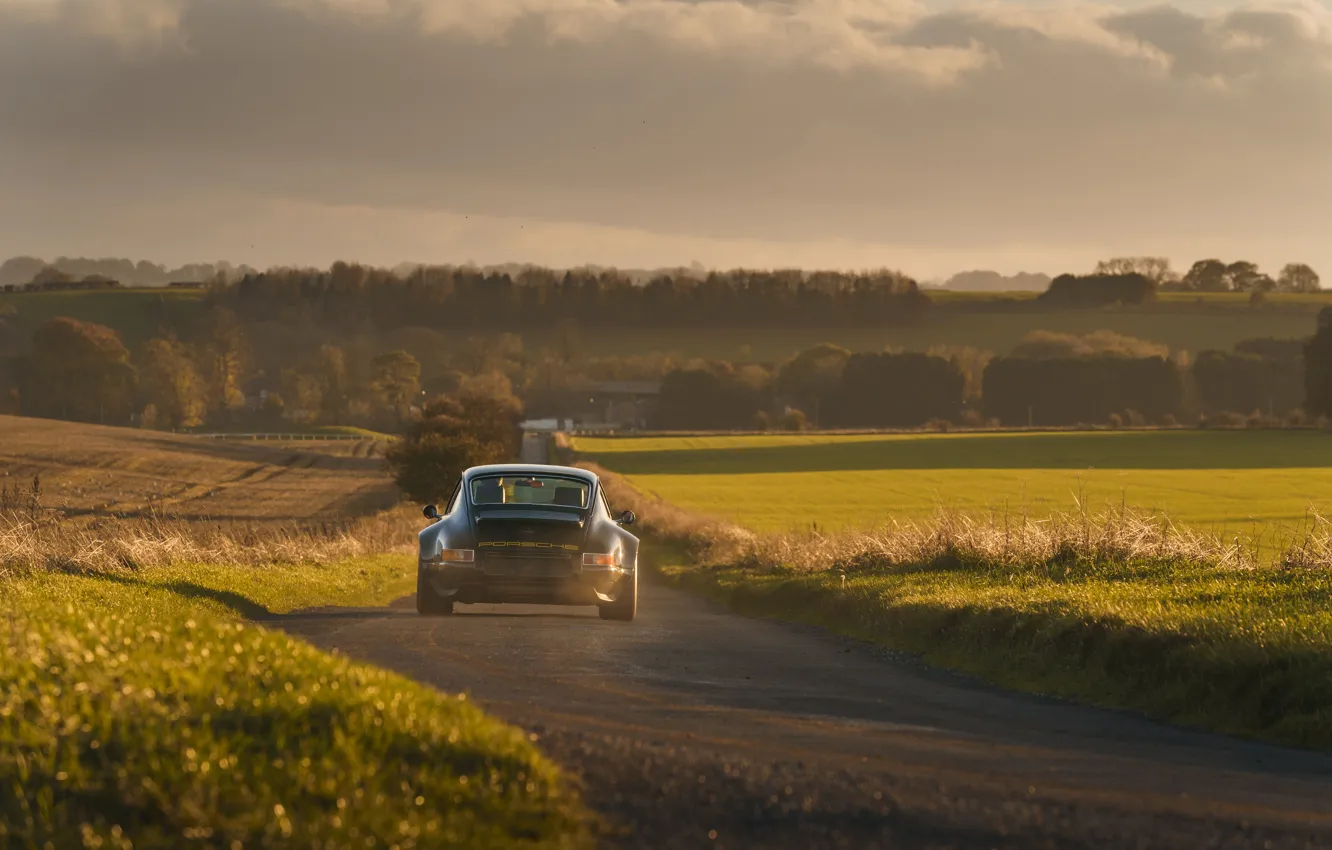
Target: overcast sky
<point>928,136</point>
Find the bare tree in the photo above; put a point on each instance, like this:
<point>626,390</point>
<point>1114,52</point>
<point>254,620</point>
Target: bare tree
<point>1156,269</point>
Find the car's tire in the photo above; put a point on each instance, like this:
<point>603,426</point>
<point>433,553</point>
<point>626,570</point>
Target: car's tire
<point>428,602</point>
<point>625,605</point>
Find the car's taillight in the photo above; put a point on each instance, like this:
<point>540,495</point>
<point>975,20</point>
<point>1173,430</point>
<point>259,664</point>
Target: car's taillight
<point>457,556</point>
<point>591,559</point>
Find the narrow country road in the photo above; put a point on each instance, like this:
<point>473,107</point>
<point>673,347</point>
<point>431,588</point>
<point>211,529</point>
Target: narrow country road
<point>691,722</point>
<point>693,727</point>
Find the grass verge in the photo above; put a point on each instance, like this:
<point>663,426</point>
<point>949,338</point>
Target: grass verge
<point>1118,610</point>
<point>137,709</point>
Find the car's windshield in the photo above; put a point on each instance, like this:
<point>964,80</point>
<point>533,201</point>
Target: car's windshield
<point>530,490</point>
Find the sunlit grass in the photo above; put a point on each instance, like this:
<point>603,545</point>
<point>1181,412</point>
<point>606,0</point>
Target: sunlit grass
<point>1258,485</point>
<point>1245,652</point>
<point>135,706</point>
<point>1115,607</point>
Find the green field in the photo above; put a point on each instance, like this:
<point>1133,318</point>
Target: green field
<point>1250,483</point>
<point>999,332</point>
<point>1115,612</point>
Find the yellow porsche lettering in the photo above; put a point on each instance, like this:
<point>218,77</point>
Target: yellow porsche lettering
<point>526,544</point>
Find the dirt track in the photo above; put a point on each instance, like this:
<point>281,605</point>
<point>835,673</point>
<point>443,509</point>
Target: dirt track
<point>692,722</point>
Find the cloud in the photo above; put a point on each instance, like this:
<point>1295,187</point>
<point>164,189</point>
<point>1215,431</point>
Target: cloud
<point>972,126</point>
<point>130,23</point>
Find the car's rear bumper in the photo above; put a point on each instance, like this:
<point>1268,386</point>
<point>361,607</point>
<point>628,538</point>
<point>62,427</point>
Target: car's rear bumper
<point>526,581</point>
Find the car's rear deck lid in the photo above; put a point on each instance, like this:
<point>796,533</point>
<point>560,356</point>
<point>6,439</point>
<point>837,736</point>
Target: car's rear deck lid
<point>486,514</point>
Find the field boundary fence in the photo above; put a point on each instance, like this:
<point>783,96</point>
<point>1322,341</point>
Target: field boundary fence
<point>288,437</point>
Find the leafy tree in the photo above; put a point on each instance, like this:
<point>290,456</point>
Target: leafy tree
<point>51,274</point>
<point>19,270</point>
<point>1298,277</point>
<point>903,390</point>
<point>1242,382</point>
<point>810,379</point>
<point>170,383</point>
<point>1073,390</point>
<point>448,436</point>
<point>223,355</point>
<point>1318,368</point>
<point>80,371</point>
<point>714,397</point>
<point>1244,276</point>
<point>1098,290</point>
<point>331,373</point>
<point>1207,276</point>
<point>305,393</point>
<point>397,382</point>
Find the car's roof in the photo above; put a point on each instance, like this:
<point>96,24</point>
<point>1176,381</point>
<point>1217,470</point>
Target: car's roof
<point>530,469</point>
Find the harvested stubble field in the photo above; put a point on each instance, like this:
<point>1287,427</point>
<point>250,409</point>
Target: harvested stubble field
<point>1266,487</point>
<point>90,470</point>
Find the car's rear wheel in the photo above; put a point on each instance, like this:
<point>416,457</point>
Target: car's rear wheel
<point>625,605</point>
<point>428,602</point>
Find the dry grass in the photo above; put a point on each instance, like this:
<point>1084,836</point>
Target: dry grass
<point>996,541</point>
<point>33,542</point>
<point>85,498</point>
<point>95,471</point>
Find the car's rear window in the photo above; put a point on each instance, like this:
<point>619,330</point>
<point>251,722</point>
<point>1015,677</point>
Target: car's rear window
<point>530,490</point>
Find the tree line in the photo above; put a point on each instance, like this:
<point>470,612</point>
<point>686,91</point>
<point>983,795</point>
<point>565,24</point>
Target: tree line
<point>213,378</point>
<point>1050,379</point>
<point>367,347</point>
<point>25,270</point>
<point>83,371</point>
<point>538,298</point>
<point>1212,275</point>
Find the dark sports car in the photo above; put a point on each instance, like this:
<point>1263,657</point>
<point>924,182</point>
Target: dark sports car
<point>528,533</point>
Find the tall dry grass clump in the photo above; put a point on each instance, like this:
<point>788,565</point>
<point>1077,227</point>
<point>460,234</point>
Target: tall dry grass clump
<point>38,540</point>
<point>956,541</point>
<point>702,538</point>
<point>953,540</point>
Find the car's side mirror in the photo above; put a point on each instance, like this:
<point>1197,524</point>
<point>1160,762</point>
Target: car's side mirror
<point>626,518</point>
<point>431,512</point>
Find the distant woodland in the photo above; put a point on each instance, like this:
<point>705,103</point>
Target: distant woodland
<point>376,348</point>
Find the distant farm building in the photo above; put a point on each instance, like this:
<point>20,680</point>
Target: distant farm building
<point>596,404</point>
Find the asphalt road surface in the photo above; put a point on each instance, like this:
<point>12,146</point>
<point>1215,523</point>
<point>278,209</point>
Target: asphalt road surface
<point>694,727</point>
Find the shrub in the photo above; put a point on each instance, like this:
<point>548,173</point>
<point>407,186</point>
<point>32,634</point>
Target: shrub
<point>794,420</point>
<point>1096,290</point>
<point>447,437</point>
